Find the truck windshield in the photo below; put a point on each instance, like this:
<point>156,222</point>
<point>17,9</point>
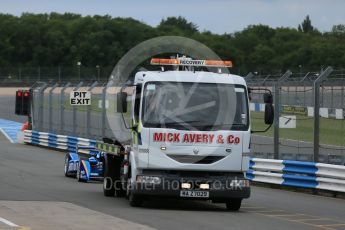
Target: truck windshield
<point>194,106</point>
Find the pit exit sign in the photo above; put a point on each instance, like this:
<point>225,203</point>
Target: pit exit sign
<point>80,98</point>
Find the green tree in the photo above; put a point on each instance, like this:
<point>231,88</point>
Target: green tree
<point>339,29</point>
<point>179,23</point>
<point>64,39</point>
<point>306,26</point>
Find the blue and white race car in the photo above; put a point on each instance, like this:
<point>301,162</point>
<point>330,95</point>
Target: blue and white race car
<point>84,166</point>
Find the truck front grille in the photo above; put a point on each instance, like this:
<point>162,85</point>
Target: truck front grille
<point>190,159</point>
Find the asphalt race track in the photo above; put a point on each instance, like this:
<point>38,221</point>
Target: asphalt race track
<point>35,194</point>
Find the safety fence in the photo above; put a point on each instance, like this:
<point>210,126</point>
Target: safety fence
<point>296,130</point>
<point>52,111</point>
<point>298,174</point>
<point>297,89</point>
<point>309,114</point>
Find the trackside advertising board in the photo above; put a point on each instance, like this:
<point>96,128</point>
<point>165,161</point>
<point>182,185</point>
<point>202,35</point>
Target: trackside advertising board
<point>298,110</point>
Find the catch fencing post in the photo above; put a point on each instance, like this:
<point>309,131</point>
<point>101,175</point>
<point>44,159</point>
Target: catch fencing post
<point>316,85</point>
<point>51,107</point>
<point>62,108</point>
<point>88,116</point>
<point>39,73</point>
<point>304,94</point>
<point>249,76</point>
<point>74,109</point>
<point>59,73</point>
<point>104,91</point>
<point>36,107</point>
<point>103,111</point>
<point>277,112</point>
<point>41,98</point>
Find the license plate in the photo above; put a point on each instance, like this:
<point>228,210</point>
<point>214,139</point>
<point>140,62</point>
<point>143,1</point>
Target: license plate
<point>200,194</point>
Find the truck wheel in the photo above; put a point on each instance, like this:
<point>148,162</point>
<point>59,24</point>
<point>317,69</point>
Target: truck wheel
<point>111,182</point>
<point>109,176</point>
<point>233,204</point>
<point>119,190</point>
<point>135,200</point>
<point>128,188</point>
<point>108,188</point>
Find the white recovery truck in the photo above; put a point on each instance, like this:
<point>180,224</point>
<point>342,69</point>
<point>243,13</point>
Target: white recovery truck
<point>190,135</point>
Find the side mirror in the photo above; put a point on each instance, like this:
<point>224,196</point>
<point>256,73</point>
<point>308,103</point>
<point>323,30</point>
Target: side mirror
<point>269,114</point>
<point>269,110</point>
<point>121,102</point>
<point>268,98</point>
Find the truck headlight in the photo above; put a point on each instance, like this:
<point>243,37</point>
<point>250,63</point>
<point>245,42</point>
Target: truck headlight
<point>239,183</point>
<point>186,186</point>
<point>204,186</point>
<point>148,179</point>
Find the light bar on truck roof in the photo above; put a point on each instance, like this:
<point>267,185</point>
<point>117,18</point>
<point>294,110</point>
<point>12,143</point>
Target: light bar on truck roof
<point>189,62</point>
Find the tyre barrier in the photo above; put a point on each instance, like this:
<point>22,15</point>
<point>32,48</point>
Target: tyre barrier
<point>297,174</point>
<point>68,143</point>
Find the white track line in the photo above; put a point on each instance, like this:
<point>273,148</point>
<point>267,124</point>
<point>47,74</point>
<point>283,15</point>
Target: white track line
<point>7,222</point>
<point>7,136</point>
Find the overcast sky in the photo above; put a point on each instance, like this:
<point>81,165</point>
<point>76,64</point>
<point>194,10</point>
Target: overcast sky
<point>219,16</point>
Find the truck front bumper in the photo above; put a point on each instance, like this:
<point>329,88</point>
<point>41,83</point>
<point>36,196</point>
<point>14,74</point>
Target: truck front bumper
<point>219,188</point>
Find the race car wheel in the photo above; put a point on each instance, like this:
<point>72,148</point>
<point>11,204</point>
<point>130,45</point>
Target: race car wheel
<point>79,174</point>
<point>66,166</point>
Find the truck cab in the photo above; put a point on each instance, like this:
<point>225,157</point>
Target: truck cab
<point>190,134</point>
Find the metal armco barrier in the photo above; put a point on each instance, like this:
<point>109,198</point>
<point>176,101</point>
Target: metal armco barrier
<point>298,174</point>
<point>68,143</point>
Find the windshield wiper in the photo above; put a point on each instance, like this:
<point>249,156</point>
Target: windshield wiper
<point>174,124</point>
<point>180,123</point>
<point>159,125</point>
<point>233,125</point>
